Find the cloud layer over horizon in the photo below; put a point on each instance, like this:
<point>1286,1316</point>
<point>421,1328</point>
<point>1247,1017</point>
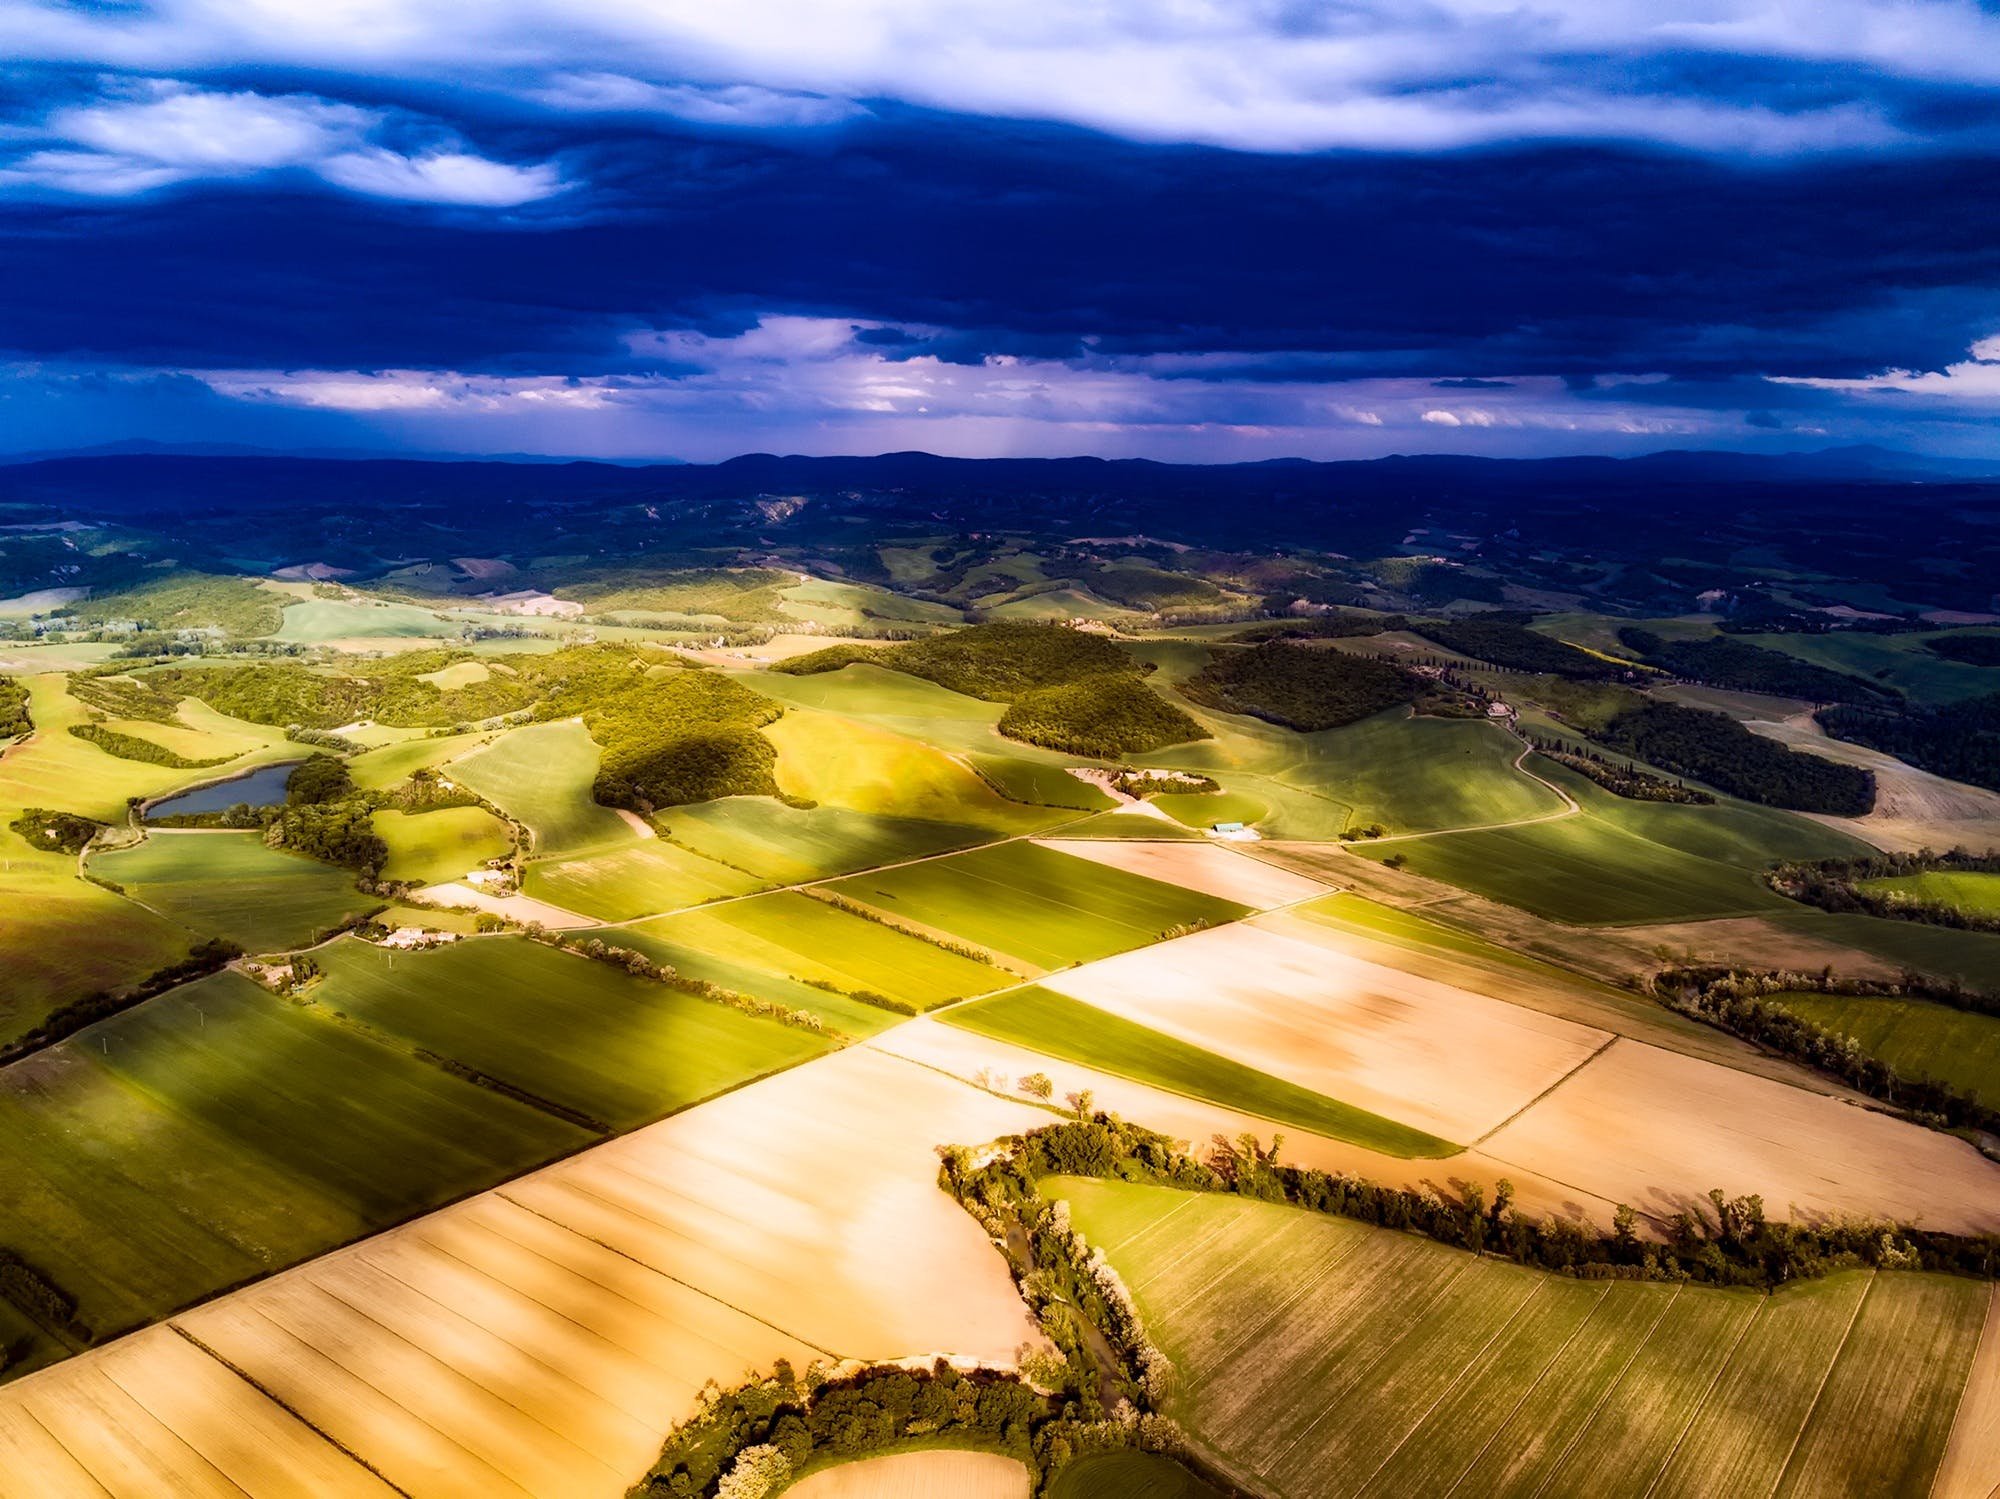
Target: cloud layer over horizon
<point>1203,231</point>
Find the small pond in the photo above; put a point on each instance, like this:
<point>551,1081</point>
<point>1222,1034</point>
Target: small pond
<point>261,788</point>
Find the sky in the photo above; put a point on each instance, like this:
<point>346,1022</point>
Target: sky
<point>1193,230</point>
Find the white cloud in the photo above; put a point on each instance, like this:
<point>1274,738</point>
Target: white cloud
<point>141,137</point>
<point>1256,74</point>
<point>441,177</point>
<point>1976,378</point>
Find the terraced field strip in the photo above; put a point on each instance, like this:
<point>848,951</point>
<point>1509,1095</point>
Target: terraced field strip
<point>1043,1020</point>
<point>1046,908</point>
<point>1320,1357</point>
<point>1208,867</point>
<point>1295,1004</point>
<point>540,1339</point>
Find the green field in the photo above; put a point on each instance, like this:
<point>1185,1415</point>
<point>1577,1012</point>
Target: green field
<point>1205,809</point>
<point>216,1133</point>
<point>1039,783</point>
<point>541,775</point>
<point>1585,871</point>
<point>322,621</point>
<point>1047,909</point>
<point>1972,958</point>
<point>231,885</point>
<point>1730,831</point>
<point>795,936</point>
<point>1058,1026</point>
<point>631,1050</point>
<point>1899,661</point>
<point>391,764</point>
<point>1975,893</point>
<point>1128,1475</point>
<point>1320,1357</point>
<point>1916,1037</point>
<point>837,1011</point>
<point>432,847</point>
<point>635,879</point>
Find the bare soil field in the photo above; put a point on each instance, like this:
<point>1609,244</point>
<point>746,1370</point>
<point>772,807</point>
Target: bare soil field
<point>1407,1047</point>
<point>523,908</point>
<point>542,1337</point>
<point>919,1475</point>
<point>1658,1130</point>
<point>999,1065</point>
<point>1204,866</point>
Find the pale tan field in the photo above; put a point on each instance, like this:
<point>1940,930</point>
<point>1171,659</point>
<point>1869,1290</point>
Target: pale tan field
<point>1407,1047</point>
<point>540,1339</point>
<point>1971,1466</point>
<point>919,1475</point>
<point>1658,1130</point>
<point>1001,1066</point>
<point>522,908</point>
<point>1913,808</point>
<point>1207,867</point>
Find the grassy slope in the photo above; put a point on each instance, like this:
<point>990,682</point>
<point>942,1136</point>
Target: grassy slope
<point>430,847</point>
<point>231,885</point>
<point>1973,958</point>
<point>1128,1475</point>
<point>1044,1021</point>
<point>318,621</point>
<point>1916,1038</point>
<point>786,845</point>
<point>1900,661</point>
<point>631,1049</point>
<point>1970,891</point>
<point>1327,1358</point>
<point>1047,908</point>
<point>542,775</point>
<point>797,937</point>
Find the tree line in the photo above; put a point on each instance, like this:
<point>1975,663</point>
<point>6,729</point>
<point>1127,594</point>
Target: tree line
<point>1837,885</point>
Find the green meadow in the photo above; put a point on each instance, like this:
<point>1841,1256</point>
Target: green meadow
<point>1971,891</point>
<point>231,885</point>
<point>639,878</point>
<point>432,847</point>
<point>541,775</point>
<point>1045,908</point>
<point>1917,1038</point>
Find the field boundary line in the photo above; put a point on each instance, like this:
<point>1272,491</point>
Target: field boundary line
<point>526,1415</point>
<point>1965,1391</point>
<point>1609,1041</point>
<point>1617,1380</point>
<point>1533,1385</point>
<point>293,1411</point>
<point>655,1270</point>
<point>1541,1284</point>
<point>1792,1452</point>
<point>1702,1404</point>
<point>181,1443</point>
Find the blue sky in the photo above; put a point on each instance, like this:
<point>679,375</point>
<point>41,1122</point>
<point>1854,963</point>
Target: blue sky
<point>1191,229</point>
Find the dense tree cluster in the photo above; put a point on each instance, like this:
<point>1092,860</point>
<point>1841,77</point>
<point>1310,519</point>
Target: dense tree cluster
<point>1626,780</point>
<point>1716,749</point>
<point>676,736</point>
<point>1958,740</point>
<point>1973,650</point>
<point>14,716</point>
<point>1320,627</point>
<point>1300,687</point>
<point>1505,640</point>
<point>1721,662</point>
<point>183,601</point>
<point>1139,587</point>
<point>31,1292</point>
<point>1105,716</point>
<point>65,832</point>
<point>123,697</point>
